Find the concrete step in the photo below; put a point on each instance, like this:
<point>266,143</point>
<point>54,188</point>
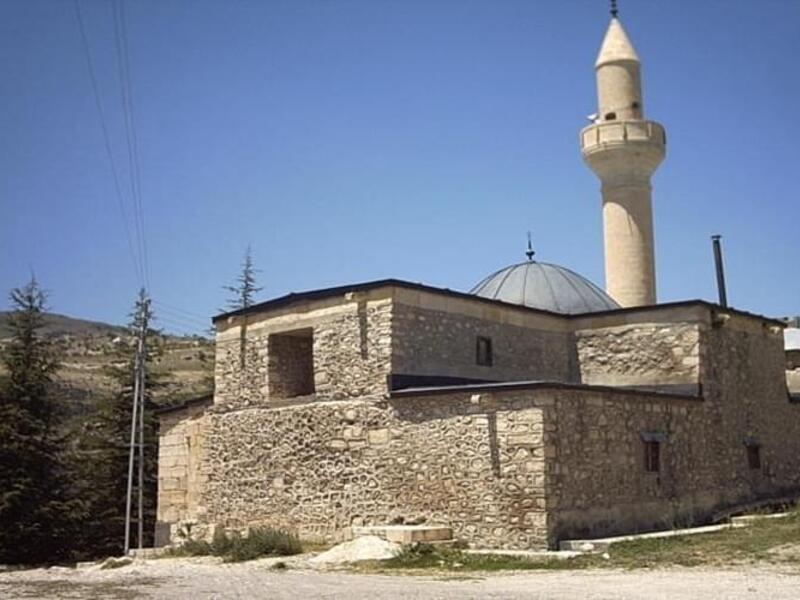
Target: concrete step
<point>406,534</point>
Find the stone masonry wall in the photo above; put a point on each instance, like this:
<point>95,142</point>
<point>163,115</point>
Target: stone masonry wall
<point>644,354</point>
<point>601,488</point>
<point>319,467</point>
<point>597,481</point>
<point>181,473</point>
<point>745,387</point>
<point>505,468</point>
<point>433,342</point>
<point>241,366</point>
<point>351,351</point>
<point>352,354</point>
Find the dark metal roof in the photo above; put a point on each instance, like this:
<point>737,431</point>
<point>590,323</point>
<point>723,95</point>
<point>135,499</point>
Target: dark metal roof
<point>536,384</point>
<point>332,292</point>
<point>206,399</point>
<point>545,286</point>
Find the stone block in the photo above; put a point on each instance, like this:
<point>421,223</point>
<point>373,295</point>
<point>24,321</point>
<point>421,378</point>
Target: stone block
<point>377,437</point>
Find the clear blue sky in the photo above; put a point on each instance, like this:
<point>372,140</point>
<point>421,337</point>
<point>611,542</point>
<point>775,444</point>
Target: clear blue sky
<point>354,140</point>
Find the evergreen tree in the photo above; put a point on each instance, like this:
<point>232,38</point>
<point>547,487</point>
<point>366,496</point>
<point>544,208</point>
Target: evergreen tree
<point>105,448</point>
<point>244,290</point>
<point>35,506</point>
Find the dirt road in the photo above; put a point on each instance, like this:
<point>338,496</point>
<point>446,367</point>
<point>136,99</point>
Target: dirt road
<point>199,579</point>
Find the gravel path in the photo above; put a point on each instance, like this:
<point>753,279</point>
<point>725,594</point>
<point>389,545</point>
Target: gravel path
<point>200,579</point>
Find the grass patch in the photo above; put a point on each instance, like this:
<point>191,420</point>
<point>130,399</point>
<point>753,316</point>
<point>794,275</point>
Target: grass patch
<point>760,541</point>
<point>427,556</point>
<point>775,541</point>
<point>259,542</point>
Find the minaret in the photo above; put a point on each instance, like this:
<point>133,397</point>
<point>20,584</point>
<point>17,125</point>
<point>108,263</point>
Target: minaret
<point>624,149</point>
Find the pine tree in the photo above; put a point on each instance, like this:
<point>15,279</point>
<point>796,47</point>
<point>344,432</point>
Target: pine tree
<point>35,506</point>
<point>245,289</point>
<point>105,446</point>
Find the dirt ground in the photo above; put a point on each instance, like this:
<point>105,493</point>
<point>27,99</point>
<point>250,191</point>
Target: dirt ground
<point>206,578</point>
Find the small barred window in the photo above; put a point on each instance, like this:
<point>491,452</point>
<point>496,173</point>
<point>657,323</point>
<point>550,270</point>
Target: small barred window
<point>484,352</point>
<point>652,457</point>
<point>754,456</point>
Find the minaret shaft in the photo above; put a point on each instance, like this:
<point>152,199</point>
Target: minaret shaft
<point>628,244</point>
<point>624,149</point>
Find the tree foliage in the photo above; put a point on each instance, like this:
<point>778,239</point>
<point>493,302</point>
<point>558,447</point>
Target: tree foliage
<point>36,511</point>
<point>244,290</point>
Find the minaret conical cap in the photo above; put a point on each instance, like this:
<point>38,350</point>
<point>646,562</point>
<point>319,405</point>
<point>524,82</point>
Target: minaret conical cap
<point>616,46</point>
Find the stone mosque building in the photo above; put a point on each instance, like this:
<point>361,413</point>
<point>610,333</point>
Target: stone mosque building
<point>534,408</point>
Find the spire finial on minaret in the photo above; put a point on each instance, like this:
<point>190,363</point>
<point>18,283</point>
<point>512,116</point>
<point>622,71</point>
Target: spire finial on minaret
<point>614,9</point>
<point>530,253</point>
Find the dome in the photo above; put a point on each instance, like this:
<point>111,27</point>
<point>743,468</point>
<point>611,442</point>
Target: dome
<point>544,286</point>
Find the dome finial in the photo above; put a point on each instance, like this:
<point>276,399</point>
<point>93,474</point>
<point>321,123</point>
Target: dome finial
<point>614,9</point>
<point>530,253</point>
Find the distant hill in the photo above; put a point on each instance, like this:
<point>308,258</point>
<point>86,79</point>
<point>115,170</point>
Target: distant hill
<point>87,348</point>
<point>58,325</point>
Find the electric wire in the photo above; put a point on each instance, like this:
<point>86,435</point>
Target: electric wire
<point>126,88</point>
<point>177,322</point>
<point>138,269</point>
<point>195,324</point>
<point>135,137</point>
<point>183,311</point>
<point>176,327</point>
<point>177,316</point>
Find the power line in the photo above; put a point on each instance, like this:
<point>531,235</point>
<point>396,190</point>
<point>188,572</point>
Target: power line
<point>123,64</point>
<point>138,269</point>
<point>167,327</point>
<point>182,326</point>
<point>182,310</point>
<point>174,315</point>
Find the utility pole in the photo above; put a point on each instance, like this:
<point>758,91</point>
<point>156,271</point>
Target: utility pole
<point>137,419</point>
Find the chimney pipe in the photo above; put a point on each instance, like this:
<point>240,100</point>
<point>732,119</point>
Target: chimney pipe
<point>723,296</point>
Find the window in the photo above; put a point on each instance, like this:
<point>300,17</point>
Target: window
<point>652,457</point>
<point>484,352</point>
<point>290,364</point>
<point>754,456</point>
<point>611,116</point>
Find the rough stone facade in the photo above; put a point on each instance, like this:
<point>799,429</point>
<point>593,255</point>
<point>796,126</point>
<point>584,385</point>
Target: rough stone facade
<point>558,454</point>
<point>328,466</point>
<point>432,341</point>
<point>656,355</point>
<point>350,352</point>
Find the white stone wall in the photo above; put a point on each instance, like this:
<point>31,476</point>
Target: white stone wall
<point>181,467</point>
<point>656,355</point>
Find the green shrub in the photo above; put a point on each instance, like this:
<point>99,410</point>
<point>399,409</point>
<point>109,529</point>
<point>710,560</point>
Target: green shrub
<point>221,543</point>
<point>260,542</point>
<point>234,547</point>
<point>196,548</point>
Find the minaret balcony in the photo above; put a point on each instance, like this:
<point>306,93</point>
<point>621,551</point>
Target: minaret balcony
<point>623,151</point>
<point>612,133</point>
